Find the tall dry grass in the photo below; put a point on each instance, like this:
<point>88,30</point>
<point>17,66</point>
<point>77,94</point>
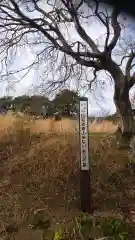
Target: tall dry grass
<point>50,125</point>
<point>105,126</point>
<point>68,125</point>
<point>39,168</point>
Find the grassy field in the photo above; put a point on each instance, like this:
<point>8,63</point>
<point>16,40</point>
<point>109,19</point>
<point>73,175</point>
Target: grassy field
<point>39,182</point>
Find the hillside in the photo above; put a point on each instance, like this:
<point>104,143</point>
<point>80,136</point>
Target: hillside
<point>41,171</point>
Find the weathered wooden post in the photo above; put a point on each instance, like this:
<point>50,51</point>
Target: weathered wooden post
<point>85,174</point>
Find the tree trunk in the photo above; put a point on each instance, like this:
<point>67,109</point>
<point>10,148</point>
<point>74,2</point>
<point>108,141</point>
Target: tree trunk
<point>123,106</point>
<point>121,98</point>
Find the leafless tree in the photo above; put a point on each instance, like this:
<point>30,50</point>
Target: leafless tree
<point>37,22</point>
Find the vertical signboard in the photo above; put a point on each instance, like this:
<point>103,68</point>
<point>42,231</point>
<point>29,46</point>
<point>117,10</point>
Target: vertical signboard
<point>85,177</point>
<point>84,156</point>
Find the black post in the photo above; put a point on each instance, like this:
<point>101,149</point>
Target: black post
<point>85,173</point>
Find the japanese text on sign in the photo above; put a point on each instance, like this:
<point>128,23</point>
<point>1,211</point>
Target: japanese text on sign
<point>84,135</point>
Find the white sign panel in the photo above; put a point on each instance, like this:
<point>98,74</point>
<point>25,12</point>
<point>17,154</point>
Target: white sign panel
<point>84,135</point>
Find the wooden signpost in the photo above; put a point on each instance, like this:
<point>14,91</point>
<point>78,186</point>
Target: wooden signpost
<point>85,174</point>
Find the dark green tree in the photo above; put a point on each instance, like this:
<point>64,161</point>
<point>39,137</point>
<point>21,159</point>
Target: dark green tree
<point>35,103</point>
<point>20,102</point>
<point>6,101</point>
<point>65,102</point>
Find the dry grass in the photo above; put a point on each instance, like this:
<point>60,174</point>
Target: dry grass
<point>39,169</point>
<point>105,126</point>
<point>50,125</point>
<point>5,123</point>
<point>67,125</point>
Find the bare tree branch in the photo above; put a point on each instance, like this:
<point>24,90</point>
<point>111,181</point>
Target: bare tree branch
<point>116,29</point>
<point>93,80</point>
<point>16,26</point>
<point>131,82</point>
<point>104,21</point>
<point>129,65</point>
<point>79,28</point>
<point>32,23</point>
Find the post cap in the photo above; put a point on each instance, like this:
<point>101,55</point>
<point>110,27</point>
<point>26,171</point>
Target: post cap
<point>82,99</point>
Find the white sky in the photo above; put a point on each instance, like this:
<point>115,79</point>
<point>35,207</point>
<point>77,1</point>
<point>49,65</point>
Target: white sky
<point>100,103</point>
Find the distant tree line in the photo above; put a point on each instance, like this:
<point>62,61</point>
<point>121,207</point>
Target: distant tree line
<point>64,104</point>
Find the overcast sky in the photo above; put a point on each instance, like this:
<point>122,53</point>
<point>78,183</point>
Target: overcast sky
<point>100,101</point>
